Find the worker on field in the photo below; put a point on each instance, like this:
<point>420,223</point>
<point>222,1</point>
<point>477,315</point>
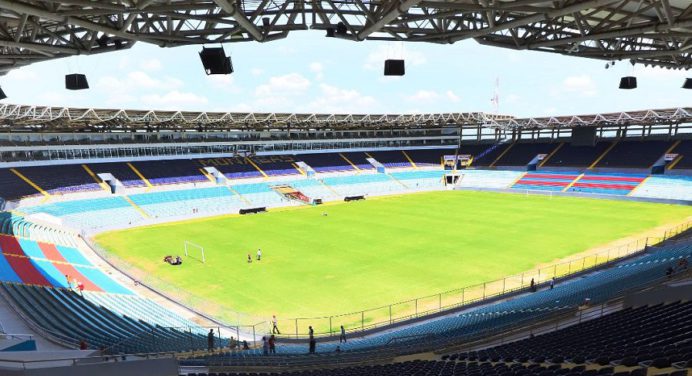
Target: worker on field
<point>259,254</point>
<point>249,258</point>
<point>275,327</point>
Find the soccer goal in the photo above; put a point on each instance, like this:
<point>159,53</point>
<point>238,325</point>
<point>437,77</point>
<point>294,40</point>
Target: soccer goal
<point>194,251</point>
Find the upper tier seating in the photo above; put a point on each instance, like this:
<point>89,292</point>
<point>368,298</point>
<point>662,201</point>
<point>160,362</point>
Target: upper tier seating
<point>276,165</point>
<point>577,156</point>
<point>634,154</point>
<point>12,187</point>
<point>483,154</point>
<point>44,264</point>
<point>684,148</point>
<point>359,159</point>
<point>232,167</point>
<point>60,179</point>
<point>429,157</point>
<point>120,171</point>
<point>325,162</point>
<point>521,153</point>
<point>391,159</point>
<point>171,172</point>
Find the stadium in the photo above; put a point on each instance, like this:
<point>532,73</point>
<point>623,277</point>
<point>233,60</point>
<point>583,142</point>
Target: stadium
<point>191,242</point>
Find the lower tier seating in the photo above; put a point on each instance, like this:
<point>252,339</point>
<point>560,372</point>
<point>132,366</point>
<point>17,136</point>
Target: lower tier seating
<point>71,318</point>
<point>545,181</point>
<point>620,184</point>
<point>44,264</point>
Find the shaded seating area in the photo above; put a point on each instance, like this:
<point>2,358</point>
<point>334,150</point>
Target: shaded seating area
<point>577,156</point>
<point>165,172</point>
<point>391,159</point>
<point>325,162</point>
<point>634,154</point>
<point>12,187</point>
<point>523,152</point>
<point>60,179</point>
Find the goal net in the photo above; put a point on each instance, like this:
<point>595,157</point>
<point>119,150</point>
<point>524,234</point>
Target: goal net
<point>194,251</point>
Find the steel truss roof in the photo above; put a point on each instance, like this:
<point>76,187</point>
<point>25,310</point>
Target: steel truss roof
<point>55,119</point>
<point>656,32</point>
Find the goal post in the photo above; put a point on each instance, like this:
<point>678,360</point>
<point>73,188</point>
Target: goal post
<point>192,250</point>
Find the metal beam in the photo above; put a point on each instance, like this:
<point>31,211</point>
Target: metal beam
<point>397,8</point>
<point>239,16</point>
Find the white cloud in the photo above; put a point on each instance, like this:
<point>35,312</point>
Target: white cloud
<point>333,99</point>
<point>137,80</point>
<point>21,75</point>
<point>424,96</point>
<point>582,84</point>
<point>318,69</point>
<point>428,96</point>
<point>452,97</point>
<point>174,100</point>
<point>151,65</point>
<point>290,84</point>
<point>256,72</point>
<point>376,57</point>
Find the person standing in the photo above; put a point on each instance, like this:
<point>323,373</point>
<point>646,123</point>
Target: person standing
<point>533,285</point>
<point>210,340</point>
<point>275,328</point>
<point>265,346</point>
<point>552,283</point>
<point>312,344</point>
<point>259,254</point>
<point>249,258</point>
<point>272,344</point>
<point>342,337</point>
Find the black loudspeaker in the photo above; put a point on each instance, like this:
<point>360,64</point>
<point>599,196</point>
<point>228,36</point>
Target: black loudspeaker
<point>687,84</point>
<point>394,68</point>
<point>2,94</point>
<point>584,136</point>
<point>341,28</point>
<point>628,82</point>
<point>215,61</point>
<point>331,32</point>
<point>76,82</point>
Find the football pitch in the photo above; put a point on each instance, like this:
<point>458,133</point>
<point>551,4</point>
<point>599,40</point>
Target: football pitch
<point>346,257</point>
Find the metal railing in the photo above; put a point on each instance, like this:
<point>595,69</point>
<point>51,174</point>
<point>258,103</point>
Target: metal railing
<point>366,320</point>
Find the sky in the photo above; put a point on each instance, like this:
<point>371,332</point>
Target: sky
<point>309,73</point>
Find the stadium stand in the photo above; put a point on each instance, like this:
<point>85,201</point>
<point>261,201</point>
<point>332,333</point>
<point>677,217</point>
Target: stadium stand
<point>483,154</point>
<point>358,159</point>
<point>70,318</point>
<point>666,187</point>
<point>325,162</point>
<point>232,167</point>
<point>577,156</point>
<point>547,181</point>
<point>276,165</point>
<point>523,152</point>
<point>66,179</point>
<point>614,184</point>
<point>684,149</point>
<point>634,154</point>
<point>120,171</point>
<point>12,187</point>
<point>178,171</point>
<point>429,157</point>
<point>391,159</point>
<point>653,336</point>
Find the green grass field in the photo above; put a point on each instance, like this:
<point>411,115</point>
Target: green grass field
<point>371,253</point>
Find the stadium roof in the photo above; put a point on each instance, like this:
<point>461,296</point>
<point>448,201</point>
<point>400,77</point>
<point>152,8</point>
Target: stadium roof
<point>656,32</point>
<point>57,119</point>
